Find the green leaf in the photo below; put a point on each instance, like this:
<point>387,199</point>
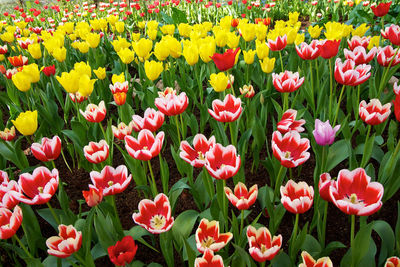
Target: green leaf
<point>167,248</point>
<point>387,240</point>
<point>31,228</point>
<point>183,225</point>
<point>361,243</point>
<point>282,259</point>
<point>243,254</point>
<point>338,152</point>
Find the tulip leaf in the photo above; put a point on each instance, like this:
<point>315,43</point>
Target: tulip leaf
<point>361,243</point>
<point>167,248</point>
<point>312,246</point>
<point>183,225</point>
<point>338,152</point>
<point>282,259</point>
<point>154,264</point>
<point>388,240</point>
<point>243,255</point>
<point>332,246</point>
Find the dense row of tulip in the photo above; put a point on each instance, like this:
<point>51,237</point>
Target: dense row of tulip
<point>210,97</point>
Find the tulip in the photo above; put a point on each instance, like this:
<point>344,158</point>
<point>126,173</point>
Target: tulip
<point>11,72</point>
<point>227,111</point>
<point>68,241</point>
<point>69,81</point>
<point>207,49</point>
<point>278,44</point>
<point>122,130</point>
<point>354,193</point>
<point>287,81</point>
<point>93,40</point>
<point>18,61</point>
<point>297,198</point>
<point>77,97</point>
<point>382,9</point>
<point>26,122</point>
<point>49,70</point>
<point>359,55</point>
<point>267,64</point>
<point>247,91</point>
<point>356,41</point>
<point>396,102</point>
<point>94,113</point>
<point>374,113</point>
<point>48,150</point>
<point>329,48</point>
<point>100,73</point>
<point>347,73</point>
<point>288,122</point>
<point>392,262</point>
<point>225,61</point>
<point>35,50</point>
<point>93,196</point>
<point>119,91</point>
<point>324,184</point>
<point>191,53</point>
<point>208,236</point>
<point>86,85</point>
<point>8,134</point>
<point>37,188</point>
<point>323,132</point>
<point>146,146</point>
<point>171,104</point>
<point>262,50</point>
<point>142,49</point>
<point>123,252</point>
<point>290,149</point>
<point>96,152</point>
<point>222,162</point>
<point>152,120</point>
<point>10,221</point>
<point>209,260</point>
<point>153,69</point>
<point>3,49</point>
<point>22,81</point>
<point>249,56</point>
<point>262,245</point>
<point>112,181</point>
<point>60,54</point>
<point>126,55</point>
<point>7,200</point>
<point>314,31</point>
<point>196,156</point>
<point>309,261</point>
<point>219,81</point>
<point>242,198</point>
<point>392,33</point>
<point>154,216</point>
<point>385,56</point>
<point>308,51</point>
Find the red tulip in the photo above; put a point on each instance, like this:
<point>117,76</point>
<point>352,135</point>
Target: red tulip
<point>385,56</point>
<point>354,194</point>
<point>396,102</point>
<point>308,51</point>
<point>209,260</point>
<point>37,188</point>
<point>8,134</point>
<point>146,146</point>
<point>359,55</point>
<point>392,33</point>
<point>48,150</point>
<point>329,48</point>
<point>119,91</point>
<point>382,9</point>
<point>123,252</point>
<point>18,61</point>
<point>356,41</point>
<point>297,198</point>
<point>227,111</point>
<point>234,22</point>
<point>94,113</point>
<point>68,241</point>
<point>323,185</point>
<point>152,120</point>
<point>10,221</point>
<point>225,61</point>
<point>93,196</point>
<point>208,236</point>
<point>171,104</point>
<point>309,261</point>
<point>347,73</point>
<point>262,246</point>
<point>287,82</point>
<point>10,73</point>
<point>77,97</point>
<point>392,262</point>
<point>288,122</point>
<point>278,44</point>
<point>3,49</point>
<point>96,152</point>
<point>290,149</point>
<point>122,130</point>
<point>247,91</point>
<point>112,181</point>
<point>49,71</point>
<point>242,198</point>
<point>222,162</point>
<point>374,113</point>
<point>155,216</point>
<point>196,156</point>
<point>7,200</point>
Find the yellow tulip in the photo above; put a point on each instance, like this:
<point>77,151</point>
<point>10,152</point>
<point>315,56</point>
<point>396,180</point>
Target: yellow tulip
<point>248,32</point>
<point>152,25</point>
<point>120,43</point>
<point>93,39</point>
<point>219,81</point>
<point>168,29</point>
<point>22,81</point>
<point>262,50</point>
<point>161,50</point>
<point>221,37</point>
<point>334,30</point>
<point>83,47</point>
<point>120,26</point>
<point>267,64</point>
<point>83,68</point>
<point>299,38</point>
<point>35,51</point>
<point>69,81</point>
<point>2,57</point>
<point>207,49</point>
<point>26,122</point>
<point>135,36</point>
<point>7,37</point>
<point>314,31</point>
<point>60,54</point>
<point>360,30</point>
<point>86,85</point>
<point>191,53</point>
<point>118,78</point>
<point>153,69</point>
<point>69,27</point>
<point>261,31</point>
<point>100,73</point>
<point>112,19</point>
<point>141,24</point>
<point>152,34</point>
<point>374,42</point>
<point>32,70</point>
<point>249,56</point>
<point>185,29</point>
<point>293,18</point>
<point>175,47</point>
<point>126,55</point>
<point>233,40</point>
<point>225,22</point>
<point>143,48</point>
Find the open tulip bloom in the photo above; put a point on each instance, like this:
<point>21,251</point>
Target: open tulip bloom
<point>48,150</point>
<point>297,198</point>
<point>68,241</point>
<point>222,162</point>
<point>146,146</point>
<point>10,221</point>
<point>208,236</point>
<point>152,120</point>
<point>288,122</point>
<point>111,181</point>
<point>262,245</point>
<point>196,156</point>
<point>123,251</point>
<point>309,261</point>
<point>209,260</point>
<point>96,152</point>
<point>374,113</point>
<point>228,110</point>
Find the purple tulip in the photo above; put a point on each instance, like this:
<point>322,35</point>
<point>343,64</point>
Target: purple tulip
<point>323,133</point>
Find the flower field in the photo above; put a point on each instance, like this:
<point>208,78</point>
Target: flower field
<point>194,133</point>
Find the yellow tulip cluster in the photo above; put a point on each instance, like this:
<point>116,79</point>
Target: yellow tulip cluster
<point>24,78</point>
<point>78,79</point>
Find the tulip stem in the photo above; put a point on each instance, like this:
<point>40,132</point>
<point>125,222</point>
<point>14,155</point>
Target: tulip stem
<point>177,129</point>
<point>278,181</point>
<point>312,89</point>
<point>262,264</point>
<point>23,246</point>
<point>233,139</point>
<point>183,129</point>
<point>285,101</point>
<point>65,161</point>
<point>353,223</point>
<point>364,158</point>
<point>79,258</point>
<point>102,130</point>
<point>338,106</point>
<point>294,235</point>
<point>331,88</point>
<point>324,223</point>
<point>199,83</point>
<point>208,182</point>
<point>280,56</point>
<point>53,164</point>
<point>241,222</point>
<point>53,213</point>
<point>153,186</point>
<point>385,72</point>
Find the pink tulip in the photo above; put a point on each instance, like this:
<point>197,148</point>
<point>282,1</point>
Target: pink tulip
<point>323,133</point>
<point>222,162</point>
<point>196,156</point>
<point>297,198</point>
<point>96,152</point>
<point>48,150</point>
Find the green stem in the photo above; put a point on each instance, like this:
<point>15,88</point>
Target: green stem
<point>358,102</point>
<point>330,88</point>
<point>241,222</point>
<point>353,223</point>
<point>324,223</point>
<point>312,89</point>
<point>285,101</point>
<point>338,106</point>
<point>53,213</point>
<point>177,129</point>
<point>207,180</point>
<point>199,83</point>
<point>385,73</point>
<point>280,56</point>
<point>80,259</point>
<point>65,161</point>
<point>165,183</point>
<point>364,158</point>
<point>23,246</point>
<point>102,130</point>
<point>233,139</point>
<point>294,235</point>
<point>183,132</point>
<point>153,185</point>
<point>278,181</point>
<point>53,164</point>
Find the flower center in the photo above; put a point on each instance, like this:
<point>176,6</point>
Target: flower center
<point>353,199</point>
<point>40,189</point>
<point>157,222</point>
<point>201,156</point>
<point>145,148</point>
<point>208,242</point>
<point>110,183</point>
<point>287,155</point>
<point>263,248</point>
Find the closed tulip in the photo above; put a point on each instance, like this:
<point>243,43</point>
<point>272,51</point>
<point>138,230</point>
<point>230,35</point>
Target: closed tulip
<point>324,184</point>
<point>226,60</point>
<point>262,245</point>
<point>152,120</point>
<point>8,134</point>
<point>249,56</point>
<point>68,241</point>
<point>22,81</point>
<point>219,81</point>
<point>100,73</point>
<point>329,48</point>
<point>191,53</point>
<point>86,85</point>
<point>93,196</point>
<point>309,261</point>
<point>48,150</point>
<point>96,152</point>
<point>142,49</point>
<point>278,44</point>
<point>267,64</point>
<point>308,51</point>
<point>35,50</point>
<point>392,33</point>
<point>374,113</point>
<point>153,69</point>
<point>323,133</point>
<point>298,197</point>
<point>95,113</point>
<point>123,252</point>
<point>387,56</point>
<point>126,55</point>
<point>26,122</point>
<point>382,9</point>
<point>392,262</point>
<point>10,221</point>
<point>228,110</point>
